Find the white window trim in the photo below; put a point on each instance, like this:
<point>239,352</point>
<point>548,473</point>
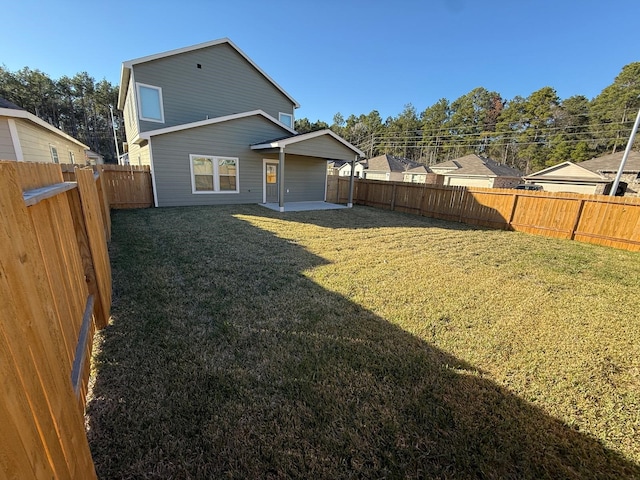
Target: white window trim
<point>216,176</point>
<point>282,114</point>
<point>54,158</point>
<point>139,102</point>
<point>72,157</point>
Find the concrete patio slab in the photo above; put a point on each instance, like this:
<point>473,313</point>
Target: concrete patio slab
<point>303,206</point>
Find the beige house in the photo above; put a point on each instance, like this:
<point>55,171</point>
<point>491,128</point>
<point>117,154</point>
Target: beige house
<point>25,137</point>
<point>569,177</point>
<point>608,166</point>
<point>393,169</point>
<point>476,171</point>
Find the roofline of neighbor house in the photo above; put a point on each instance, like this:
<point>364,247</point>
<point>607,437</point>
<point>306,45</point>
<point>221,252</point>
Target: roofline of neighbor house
<point>211,121</point>
<point>125,73</point>
<point>306,136</point>
<point>13,113</point>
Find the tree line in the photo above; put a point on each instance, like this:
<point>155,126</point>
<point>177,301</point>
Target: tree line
<point>529,133</point>
<point>78,105</point>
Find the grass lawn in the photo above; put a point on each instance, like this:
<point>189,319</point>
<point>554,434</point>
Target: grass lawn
<point>362,344</point>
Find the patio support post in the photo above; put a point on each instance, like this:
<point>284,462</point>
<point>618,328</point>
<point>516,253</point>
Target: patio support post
<point>351,181</point>
<point>281,178</point>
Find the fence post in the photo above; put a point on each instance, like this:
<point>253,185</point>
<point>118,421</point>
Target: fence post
<point>513,210</point>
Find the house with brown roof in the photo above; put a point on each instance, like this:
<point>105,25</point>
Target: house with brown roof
<point>476,171</point>
<point>25,137</point>
<point>591,177</point>
<point>393,169</point>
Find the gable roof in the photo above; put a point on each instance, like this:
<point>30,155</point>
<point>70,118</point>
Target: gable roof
<point>9,109</point>
<point>389,163</point>
<point>125,74</point>
<point>210,121</point>
<point>566,172</point>
<point>4,103</point>
<point>304,137</point>
<point>611,163</point>
<point>475,165</point>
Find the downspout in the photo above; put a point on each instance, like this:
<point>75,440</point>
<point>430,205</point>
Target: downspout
<point>281,178</point>
<point>351,182</point>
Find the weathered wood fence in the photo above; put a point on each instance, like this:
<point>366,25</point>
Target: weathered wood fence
<point>610,221</point>
<point>126,186</point>
<point>55,290</point>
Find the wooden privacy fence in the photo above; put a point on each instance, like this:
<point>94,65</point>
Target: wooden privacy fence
<point>599,219</point>
<point>126,186</point>
<point>55,290</point>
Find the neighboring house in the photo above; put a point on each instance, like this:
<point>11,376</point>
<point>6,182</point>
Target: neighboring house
<point>476,171</point>
<point>27,138</point>
<point>569,177</point>
<point>593,176</point>
<point>216,129</point>
<point>343,169</point>
<point>608,166</point>
<point>394,169</point>
<point>94,158</point>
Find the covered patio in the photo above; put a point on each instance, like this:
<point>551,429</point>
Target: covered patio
<point>319,145</point>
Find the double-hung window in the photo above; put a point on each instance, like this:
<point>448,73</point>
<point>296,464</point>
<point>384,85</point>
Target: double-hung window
<point>150,106</point>
<point>211,174</point>
<point>54,154</point>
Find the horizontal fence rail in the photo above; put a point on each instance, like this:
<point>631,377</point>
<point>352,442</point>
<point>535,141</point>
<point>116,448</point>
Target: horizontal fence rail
<point>599,219</point>
<point>55,285</point>
<point>125,186</point>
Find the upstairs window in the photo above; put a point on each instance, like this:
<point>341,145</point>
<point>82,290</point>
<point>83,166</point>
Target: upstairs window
<point>150,103</point>
<point>286,118</point>
<point>213,174</point>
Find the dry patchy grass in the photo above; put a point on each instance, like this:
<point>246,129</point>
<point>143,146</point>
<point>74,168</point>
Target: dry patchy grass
<point>362,344</point>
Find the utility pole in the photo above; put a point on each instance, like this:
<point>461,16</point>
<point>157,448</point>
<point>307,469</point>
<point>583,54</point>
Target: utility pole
<point>627,150</point>
<point>115,137</point>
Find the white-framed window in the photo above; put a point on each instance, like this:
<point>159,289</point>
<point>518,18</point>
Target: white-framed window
<point>72,158</point>
<point>150,106</point>
<point>210,174</point>
<point>286,118</point>
<point>54,154</point>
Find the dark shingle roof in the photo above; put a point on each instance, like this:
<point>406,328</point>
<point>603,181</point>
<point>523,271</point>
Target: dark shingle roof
<point>477,165</point>
<point>611,163</point>
<point>389,163</point>
<point>7,104</point>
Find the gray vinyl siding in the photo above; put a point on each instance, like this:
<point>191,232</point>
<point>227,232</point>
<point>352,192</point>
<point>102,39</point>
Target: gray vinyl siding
<point>226,84</point>
<point>331,148</point>
<point>170,153</point>
<point>7,150</point>
<point>304,178</point>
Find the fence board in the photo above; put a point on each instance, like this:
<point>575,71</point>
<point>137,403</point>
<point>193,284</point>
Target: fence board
<point>92,214</point>
<point>586,218</point>
<point>42,417</point>
<point>127,186</point>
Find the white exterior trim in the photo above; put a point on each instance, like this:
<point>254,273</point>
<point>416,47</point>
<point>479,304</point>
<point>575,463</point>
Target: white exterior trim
<point>211,121</point>
<point>127,67</point>
<point>283,114</point>
<point>153,177</point>
<point>216,175</point>
<point>139,102</point>
<point>13,113</point>
<point>306,136</point>
<point>15,139</point>
<point>266,161</point>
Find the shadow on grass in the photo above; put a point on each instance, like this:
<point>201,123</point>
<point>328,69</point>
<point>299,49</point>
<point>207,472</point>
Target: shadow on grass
<point>224,361</point>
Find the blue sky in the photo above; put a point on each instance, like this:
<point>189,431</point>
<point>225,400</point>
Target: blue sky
<point>347,56</point>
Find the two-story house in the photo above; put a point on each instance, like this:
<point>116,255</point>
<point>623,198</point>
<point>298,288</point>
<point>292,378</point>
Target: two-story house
<point>216,129</point>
